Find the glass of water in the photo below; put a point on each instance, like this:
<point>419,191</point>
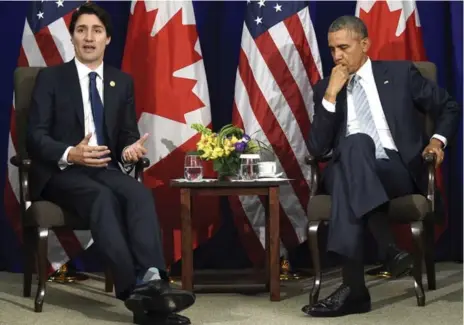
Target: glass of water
<point>249,169</point>
<point>193,168</point>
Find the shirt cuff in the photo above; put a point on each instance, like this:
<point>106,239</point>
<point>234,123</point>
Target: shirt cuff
<point>63,162</point>
<point>441,138</point>
<point>328,105</point>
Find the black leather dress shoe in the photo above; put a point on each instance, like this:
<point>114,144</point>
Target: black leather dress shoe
<point>342,302</point>
<point>398,262</point>
<point>159,297</point>
<point>157,319</point>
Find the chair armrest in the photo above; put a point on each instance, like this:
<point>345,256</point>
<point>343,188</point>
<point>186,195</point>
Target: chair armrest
<point>430,158</point>
<point>17,162</point>
<point>313,162</point>
<point>23,165</point>
<point>140,167</point>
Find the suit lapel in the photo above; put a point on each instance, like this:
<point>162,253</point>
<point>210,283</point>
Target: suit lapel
<point>75,91</point>
<point>109,100</point>
<point>385,83</point>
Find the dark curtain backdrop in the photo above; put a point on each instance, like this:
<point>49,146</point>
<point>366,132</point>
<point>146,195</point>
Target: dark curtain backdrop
<point>219,26</point>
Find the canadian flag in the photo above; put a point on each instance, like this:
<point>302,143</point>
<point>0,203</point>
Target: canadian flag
<point>163,55</point>
<point>395,32</point>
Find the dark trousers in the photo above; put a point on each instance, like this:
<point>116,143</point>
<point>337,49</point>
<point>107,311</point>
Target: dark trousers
<point>122,218</point>
<point>360,185</point>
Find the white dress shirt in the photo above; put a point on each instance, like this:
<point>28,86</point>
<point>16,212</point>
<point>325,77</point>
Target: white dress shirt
<point>368,83</point>
<point>89,125</point>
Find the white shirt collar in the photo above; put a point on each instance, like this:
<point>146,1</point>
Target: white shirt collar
<point>365,71</point>
<point>83,70</point>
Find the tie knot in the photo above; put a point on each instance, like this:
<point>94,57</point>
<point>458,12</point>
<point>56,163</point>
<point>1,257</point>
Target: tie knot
<point>93,76</point>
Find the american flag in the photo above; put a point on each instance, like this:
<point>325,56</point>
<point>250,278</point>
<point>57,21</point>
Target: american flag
<point>278,66</point>
<point>46,42</point>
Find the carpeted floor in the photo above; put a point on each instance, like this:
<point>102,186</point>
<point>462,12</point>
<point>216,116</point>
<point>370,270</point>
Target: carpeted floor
<point>394,302</point>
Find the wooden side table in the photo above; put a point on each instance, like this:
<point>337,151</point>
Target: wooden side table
<point>267,188</point>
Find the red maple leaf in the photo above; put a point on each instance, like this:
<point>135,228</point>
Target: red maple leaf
<point>382,24</point>
<point>152,61</point>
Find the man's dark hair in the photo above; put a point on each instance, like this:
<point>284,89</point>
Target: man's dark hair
<point>351,23</point>
<point>90,8</point>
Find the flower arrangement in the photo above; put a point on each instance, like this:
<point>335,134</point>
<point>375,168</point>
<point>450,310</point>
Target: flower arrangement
<point>225,147</point>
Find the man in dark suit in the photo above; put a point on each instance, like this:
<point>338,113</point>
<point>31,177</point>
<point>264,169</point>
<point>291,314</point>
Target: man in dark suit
<point>82,125</point>
<point>367,112</point>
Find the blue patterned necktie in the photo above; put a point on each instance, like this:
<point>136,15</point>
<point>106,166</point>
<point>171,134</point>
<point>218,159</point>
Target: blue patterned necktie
<point>364,115</point>
<point>97,108</point>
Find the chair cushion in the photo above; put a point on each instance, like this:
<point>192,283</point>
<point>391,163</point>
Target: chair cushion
<point>403,209</point>
<point>48,215</point>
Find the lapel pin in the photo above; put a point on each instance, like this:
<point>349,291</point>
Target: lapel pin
<point>112,83</point>
<point>385,82</point>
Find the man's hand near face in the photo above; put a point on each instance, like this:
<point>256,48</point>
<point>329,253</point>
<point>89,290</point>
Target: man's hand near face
<point>338,79</point>
<point>90,156</point>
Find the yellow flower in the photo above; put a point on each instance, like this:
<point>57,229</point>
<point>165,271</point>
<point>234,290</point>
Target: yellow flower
<point>205,141</point>
<point>207,151</point>
<point>234,140</point>
<point>217,153</point>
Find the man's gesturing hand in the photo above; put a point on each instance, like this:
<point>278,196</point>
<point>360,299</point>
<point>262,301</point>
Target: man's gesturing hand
<point>338,78</point>
<point>91,156</point>
<point>135,151</point>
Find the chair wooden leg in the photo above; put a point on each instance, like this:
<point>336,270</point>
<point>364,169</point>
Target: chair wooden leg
<point>417,230</point>
<point>430,255</point>
<point>42,268</point>
<point>313,242</point>
<point>30,246</point>
<point>108,280</point>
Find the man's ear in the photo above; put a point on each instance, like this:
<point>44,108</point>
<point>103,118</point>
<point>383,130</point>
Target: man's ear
<point>108,40</point>
<point>366,44</point>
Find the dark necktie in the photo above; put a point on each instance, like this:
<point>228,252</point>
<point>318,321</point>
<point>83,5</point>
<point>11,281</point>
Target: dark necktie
<point>97,108</point>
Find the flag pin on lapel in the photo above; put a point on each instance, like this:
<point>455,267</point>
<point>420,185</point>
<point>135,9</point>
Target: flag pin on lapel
<point>385,82</point>
<point>112,83</point>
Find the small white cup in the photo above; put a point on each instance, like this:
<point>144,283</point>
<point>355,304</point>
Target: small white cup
<point>267,168</point>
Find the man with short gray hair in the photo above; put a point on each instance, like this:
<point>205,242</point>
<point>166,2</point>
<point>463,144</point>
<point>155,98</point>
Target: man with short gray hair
<point>368,113</point>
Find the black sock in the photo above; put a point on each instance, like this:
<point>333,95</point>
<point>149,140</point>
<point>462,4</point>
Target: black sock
<point>381,231</point>
<point>353,275</point>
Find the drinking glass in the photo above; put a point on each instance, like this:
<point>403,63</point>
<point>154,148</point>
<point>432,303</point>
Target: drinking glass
<point>193,168</point>
<point>249,167</point>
